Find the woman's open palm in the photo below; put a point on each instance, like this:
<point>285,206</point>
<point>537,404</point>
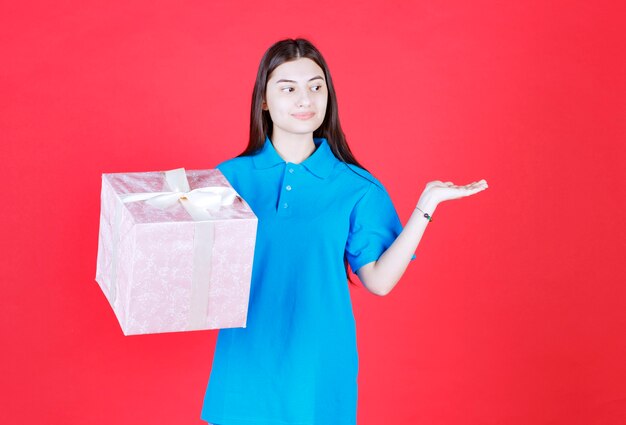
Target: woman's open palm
<point>437,191</point>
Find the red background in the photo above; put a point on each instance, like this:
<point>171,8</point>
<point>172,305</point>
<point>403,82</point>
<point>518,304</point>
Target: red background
<point>514,311</point>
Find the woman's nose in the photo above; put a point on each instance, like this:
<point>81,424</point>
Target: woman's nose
<point>304,100</point>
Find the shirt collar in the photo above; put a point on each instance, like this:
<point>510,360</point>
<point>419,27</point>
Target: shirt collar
<point>321,162</point>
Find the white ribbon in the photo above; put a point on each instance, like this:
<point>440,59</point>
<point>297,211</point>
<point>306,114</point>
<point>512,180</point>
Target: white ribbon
<point>197,202</point>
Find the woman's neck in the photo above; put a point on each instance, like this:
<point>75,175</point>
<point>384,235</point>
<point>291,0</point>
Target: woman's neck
<point>293,148</point>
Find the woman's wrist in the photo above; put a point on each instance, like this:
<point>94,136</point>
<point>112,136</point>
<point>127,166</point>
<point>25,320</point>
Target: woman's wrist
<point>424,214</point>
<point>426,208</point>
<point>426,203</point>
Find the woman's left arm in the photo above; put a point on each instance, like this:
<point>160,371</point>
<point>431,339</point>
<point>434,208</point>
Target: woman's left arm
<point>380,276</point>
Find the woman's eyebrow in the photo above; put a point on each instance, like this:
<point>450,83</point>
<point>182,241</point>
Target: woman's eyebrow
<point>282,80</point>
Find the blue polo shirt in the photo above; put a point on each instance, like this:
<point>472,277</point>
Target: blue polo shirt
<point>296,361</point>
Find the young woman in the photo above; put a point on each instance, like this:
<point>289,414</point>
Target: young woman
<point>319,212</point>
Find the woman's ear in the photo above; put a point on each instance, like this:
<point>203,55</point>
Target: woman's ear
<point>264,106</point>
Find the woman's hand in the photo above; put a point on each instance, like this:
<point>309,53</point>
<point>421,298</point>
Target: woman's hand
<point>438,191</point>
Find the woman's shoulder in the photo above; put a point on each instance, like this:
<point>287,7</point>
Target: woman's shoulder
<point>362,176</point>
<point>233,164</point>
<point>235,169</point>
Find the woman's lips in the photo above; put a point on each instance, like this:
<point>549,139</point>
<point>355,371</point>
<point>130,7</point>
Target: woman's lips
<point>304,115</point>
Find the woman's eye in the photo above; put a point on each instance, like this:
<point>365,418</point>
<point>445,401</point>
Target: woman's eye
<point>287,89</point>
<point>316,88</point>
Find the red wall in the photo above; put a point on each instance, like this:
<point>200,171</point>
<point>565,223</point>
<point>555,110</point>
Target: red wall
<point>514,311</point>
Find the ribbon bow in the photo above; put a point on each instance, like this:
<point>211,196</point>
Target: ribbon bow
<point>196,201</point>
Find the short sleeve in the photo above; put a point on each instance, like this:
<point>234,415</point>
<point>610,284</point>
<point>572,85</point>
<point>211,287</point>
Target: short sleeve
<point>374,226</point>
<point>228,169</point>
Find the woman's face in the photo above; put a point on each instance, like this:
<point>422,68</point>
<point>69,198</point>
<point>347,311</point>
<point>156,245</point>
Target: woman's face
<point>296,96</point>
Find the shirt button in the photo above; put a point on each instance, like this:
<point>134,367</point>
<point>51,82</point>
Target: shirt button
<point>291,170</point>
<point>288,187</point>
<point>285,205</point>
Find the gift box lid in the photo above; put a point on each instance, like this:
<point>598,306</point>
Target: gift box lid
<point>142,211</point>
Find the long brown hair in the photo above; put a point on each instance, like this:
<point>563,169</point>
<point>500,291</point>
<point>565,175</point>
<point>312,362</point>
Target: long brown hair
<point>261,123</point>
